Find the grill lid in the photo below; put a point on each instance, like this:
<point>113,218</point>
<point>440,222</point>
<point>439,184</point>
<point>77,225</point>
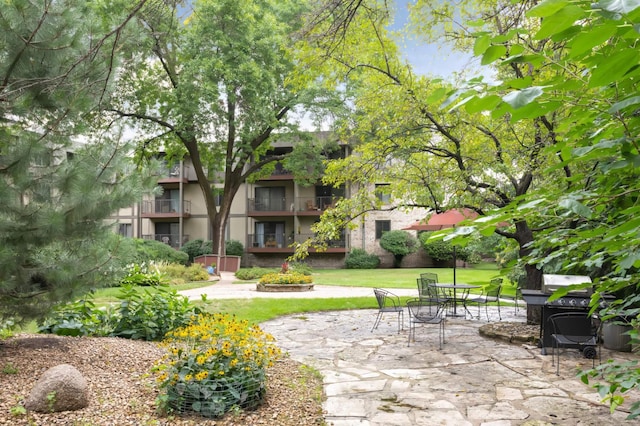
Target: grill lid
<point>552,282</point>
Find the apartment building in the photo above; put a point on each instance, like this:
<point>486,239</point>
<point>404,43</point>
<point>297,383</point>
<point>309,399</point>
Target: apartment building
<point>267,216</point>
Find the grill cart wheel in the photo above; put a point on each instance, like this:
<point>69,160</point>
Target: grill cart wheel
<point>589,352</point>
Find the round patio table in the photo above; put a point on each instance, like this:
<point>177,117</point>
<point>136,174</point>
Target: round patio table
<point>455,299</point>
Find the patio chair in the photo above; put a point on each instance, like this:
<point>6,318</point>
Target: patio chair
<point>490,294</point>
<point>574,330</point>
<point>388,302</point>
<point>518,297</point>
<point>427,290</point>
<point>424,311</point>
<point>430,276</point>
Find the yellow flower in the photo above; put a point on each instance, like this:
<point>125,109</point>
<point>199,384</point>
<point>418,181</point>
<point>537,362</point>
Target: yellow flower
<point>202,375</point>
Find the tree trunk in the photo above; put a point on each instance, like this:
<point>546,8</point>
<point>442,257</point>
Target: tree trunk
<point>524,236</point>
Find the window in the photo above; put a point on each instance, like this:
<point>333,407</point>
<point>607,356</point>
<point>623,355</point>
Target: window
<point>382,192</point>
<point>125,230</point>
<point>270,198</point>
<point>382,226</point>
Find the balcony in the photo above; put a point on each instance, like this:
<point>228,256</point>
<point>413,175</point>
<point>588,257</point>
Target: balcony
<point>314,206</point>
<point>281,243</point>
<point>271,207</point>
<point>171,175</point>
<point>172,240</point>
<point>157,209</point>
<point>301,206</point>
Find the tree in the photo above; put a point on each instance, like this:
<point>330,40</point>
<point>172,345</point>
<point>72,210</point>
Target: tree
<point>432,139</point>
<point>58,59</point>
<point>400,244</point>
<point>220,88</point>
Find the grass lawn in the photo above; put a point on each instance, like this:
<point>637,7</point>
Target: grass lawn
<point>258,310</point>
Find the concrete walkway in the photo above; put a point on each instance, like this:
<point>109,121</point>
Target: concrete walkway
<point>375,379</point>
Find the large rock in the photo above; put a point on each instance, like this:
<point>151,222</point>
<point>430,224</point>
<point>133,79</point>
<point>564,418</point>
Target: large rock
<point>60,388</point>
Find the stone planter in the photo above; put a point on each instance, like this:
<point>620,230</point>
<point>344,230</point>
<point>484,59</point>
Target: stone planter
<point>274,288</point>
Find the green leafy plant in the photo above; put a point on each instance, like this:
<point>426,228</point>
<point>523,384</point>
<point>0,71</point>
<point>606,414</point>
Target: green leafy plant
<point>214,365</point>
<point>619,378</point>
<point>81,318</point>
<point>247,274</point>
<point>141,315</point>
<point>150,315</point>
<point>175,272</point>
<point>195,248</point>
<point>51,400</point>
<point>286,278</point>
<point>234,248</point>
<point>399,243</point>
<point>18,410</point>
<point>9,369</point>
<point>360,259</point>
<point>144,274</point>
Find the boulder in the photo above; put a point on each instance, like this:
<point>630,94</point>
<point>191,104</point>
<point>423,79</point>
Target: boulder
<point>60,388</point>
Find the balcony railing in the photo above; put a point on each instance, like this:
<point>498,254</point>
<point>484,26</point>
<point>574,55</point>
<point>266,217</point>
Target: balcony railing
<point>166,206</point>
<point>301,204</point>
<point>270,204</point>
<point>280,241</point>
<point>172,240</point>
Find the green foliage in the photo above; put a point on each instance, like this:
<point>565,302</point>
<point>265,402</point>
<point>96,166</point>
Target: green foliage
<point>150,315</point>
<point>360,259</point>
<point>58,194</point>
<point>234,248</point>
<point>141,315</point>
<point>197,247</point>
<point>138,250</point>
<point>612,379</point>
<point>143,275</point>
<point>216,363</point>
<point>300,267</point>
<point>180,273</point>
<point>9,369</point>
<point>248,274</point>
<point>399,243</point>
<point>288,278</point>
<point>81,318</point>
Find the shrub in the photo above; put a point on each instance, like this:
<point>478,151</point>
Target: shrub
<point>176,273</point>
<point>137,250</point>
<point>360,259</point>
<point>247,274</point>
<point>399,243</point>
<point>301,268</point>
<point>215,364</point>
<point>288,278</point>
<point>142,316</point>
<point>197,247</point>
<point>143,275</point>
<point>149,316</point>
<point>234,248</point>
<point>80,318</point>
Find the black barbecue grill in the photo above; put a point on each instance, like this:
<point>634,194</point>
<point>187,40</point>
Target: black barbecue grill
<point>575,301</point>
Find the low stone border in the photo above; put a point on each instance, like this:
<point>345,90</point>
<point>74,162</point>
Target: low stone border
<point>275,288</point>
<point>511,332</point>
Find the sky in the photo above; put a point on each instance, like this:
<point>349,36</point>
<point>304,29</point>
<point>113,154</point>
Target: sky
<point>429,59</point>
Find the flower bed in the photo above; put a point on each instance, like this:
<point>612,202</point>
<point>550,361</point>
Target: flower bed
<point>289,281</point>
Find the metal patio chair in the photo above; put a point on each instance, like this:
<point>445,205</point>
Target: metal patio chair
<point>388,302</point>
<point>490,294</point>
<point>425,311</point>
<point>427,290</point>
<point>574,330</point>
